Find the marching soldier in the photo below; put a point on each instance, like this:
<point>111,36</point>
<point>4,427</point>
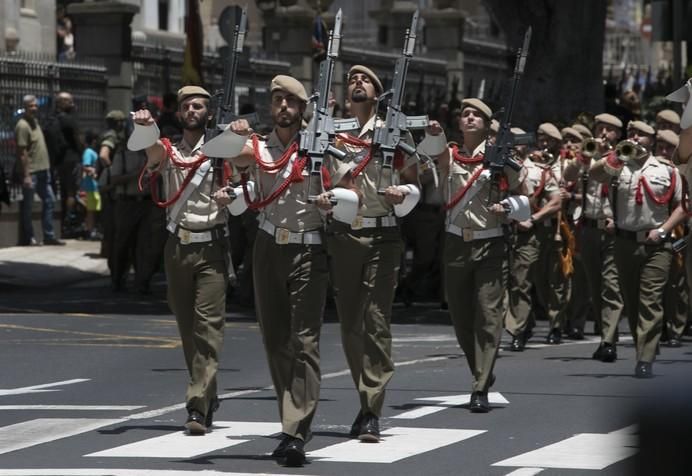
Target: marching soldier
<point>667,119</point>
<point>365,258</point>
<point>475,249</point>
<point>534,238</point>
<point>597,235</point>
<point>196,252</point>
<point>553,288</point>
<point>676,295</point>
<point>583,130</point>
<point>289,263</point>
<point>646,190</point>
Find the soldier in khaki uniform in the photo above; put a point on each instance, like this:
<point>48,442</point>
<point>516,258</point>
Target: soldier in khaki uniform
<point>289,263</point>
<point>667,119</point>
<point>646,192</point>
<point>553,287</point>
<point>596,237</point>
<point>196,252</point>
<point>364,262</point>
<point>475,249</point>
<point>676,296</point>
<point>534,237</point>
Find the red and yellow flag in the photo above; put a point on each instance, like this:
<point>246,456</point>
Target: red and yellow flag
<point>194,46</point>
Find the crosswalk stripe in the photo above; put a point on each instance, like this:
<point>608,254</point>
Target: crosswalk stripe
<point>525,472</point>
<point>40,388</point>
<point>126,472</point>
<point>582,451</point>
<point>180,445</point>
<point>396,444</point>
<point>447,401</point>
<point>42,430</point>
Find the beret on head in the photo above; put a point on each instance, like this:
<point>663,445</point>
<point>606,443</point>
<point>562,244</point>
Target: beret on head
<point>187,91</point>
<point>550,130</point>
<point>290,85</point>
<point>571,131</point>
<point>478,104</point>
<point>606,118</point>
<point>116,115</point>
<point>583,130</point>
<point>359,68</point>
<point>517,130</point>
<point>641,126</point>
<point>668,136</point>
<point>668,115</point>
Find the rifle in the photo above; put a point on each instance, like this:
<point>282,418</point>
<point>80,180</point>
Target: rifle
<point>499,155</point>
<point>388,137</point>
<point>316,140</point>
<point>223,99</point>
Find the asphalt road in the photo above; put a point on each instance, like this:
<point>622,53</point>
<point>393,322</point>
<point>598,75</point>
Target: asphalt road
<point>93,384</point>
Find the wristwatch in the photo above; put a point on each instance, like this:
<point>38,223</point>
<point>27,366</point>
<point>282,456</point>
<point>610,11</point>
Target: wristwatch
<point>662,234</point>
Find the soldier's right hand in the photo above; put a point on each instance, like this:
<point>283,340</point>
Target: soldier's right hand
<point>223,196</point>
<point>241,127</point>
<point>143,117</point>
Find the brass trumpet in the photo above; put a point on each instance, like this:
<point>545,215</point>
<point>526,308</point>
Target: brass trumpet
<point>589,147</point>
<point>627,150</point>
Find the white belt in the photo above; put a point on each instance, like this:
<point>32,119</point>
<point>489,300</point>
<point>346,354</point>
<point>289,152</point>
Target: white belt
<point>373,222</point>
<point>186,236</point>
<point>469,234</point>
<point>282,236</point>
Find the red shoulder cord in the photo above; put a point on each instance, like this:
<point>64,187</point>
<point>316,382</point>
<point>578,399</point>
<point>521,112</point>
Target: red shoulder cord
<point>273,166</point>
<point>462,191</point>
<point>466,160</point>
<point>358,142</point>
<point>657,199</point>
<point>296,175</point>
<point>153,177</point>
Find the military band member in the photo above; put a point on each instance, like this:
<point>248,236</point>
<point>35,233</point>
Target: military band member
<point>365,258</point>
<point>596,236</point>
<point>289,263</point>
<point>475,249</point>
<point>667,119</point>
<point>676,296</point>
<point>647,190</point>
<point>533,238</point>
<point>583,130</point>
<point>196,252</point>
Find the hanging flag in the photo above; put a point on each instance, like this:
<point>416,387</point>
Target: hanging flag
<point>194,46</point>
<point>320,39</point>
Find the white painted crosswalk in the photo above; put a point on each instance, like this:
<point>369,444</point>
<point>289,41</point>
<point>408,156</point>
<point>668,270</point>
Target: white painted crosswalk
<point>179,445</point>
<point>396,444</point>
<point>42,430</point>
<point>446,401</point>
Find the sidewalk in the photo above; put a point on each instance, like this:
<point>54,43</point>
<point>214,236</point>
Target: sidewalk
<point>47,266</point>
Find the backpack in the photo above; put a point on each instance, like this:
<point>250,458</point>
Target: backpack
<point>55,140</point>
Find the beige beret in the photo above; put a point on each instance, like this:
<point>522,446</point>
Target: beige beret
<point>478,104</point>
<point>668,136</point>
<point>641,126</point>
<point>290,85</point>
<point>583,130</point>
<point>571,131</point>
<point>116,115</point>
<point>668,115</point>
<point>606,118</point>
<point>517,130</point>
<point>550,130</point>
<point>359,68</point>
<point>187,91</point>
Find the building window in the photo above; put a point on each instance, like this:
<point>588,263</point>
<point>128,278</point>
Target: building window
<point>163,15</point>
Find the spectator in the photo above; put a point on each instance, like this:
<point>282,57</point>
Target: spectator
<point>34,165</point>
<point>65,38</point>
<point>90,185</point>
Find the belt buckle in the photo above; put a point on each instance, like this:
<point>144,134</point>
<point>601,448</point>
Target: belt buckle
<point>184,236</point>
<point>357,223</point>
<point>282,236</point>
<point>467,234</point>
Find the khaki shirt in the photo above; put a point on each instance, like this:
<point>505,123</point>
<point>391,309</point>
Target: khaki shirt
<point>291,209</point>
<point>532,176</point>
<point>200,212</point>
<point>634,217</point>
<point>597,206</point>
<point>35,143</point>
<point>374,205</point>
<point>477,215</point>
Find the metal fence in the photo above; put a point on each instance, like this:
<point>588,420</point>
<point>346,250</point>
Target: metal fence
<point>43,77</point>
